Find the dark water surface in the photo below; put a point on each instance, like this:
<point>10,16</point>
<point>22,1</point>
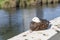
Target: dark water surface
<point>15,21</point>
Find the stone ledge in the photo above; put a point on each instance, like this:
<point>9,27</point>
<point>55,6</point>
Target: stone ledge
<point>40,35</point>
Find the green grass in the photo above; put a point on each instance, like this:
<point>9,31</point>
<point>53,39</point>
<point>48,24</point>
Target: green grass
<point>1,1</point>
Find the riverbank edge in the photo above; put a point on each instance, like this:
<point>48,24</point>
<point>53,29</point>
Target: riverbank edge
<point>25,3</point>
<point>8,4</point>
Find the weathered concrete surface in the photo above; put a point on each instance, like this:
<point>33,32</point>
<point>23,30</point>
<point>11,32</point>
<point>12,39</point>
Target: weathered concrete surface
<point>55,37</point>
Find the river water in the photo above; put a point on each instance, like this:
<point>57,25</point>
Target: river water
<point>15,21</point>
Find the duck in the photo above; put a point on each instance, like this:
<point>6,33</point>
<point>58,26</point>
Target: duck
<point>39,24</point>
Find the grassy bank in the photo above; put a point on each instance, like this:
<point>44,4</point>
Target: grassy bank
<point>26,3</point>
<point>1,1</point>
<point>29,3</point>
<point>7,3</point>
<point>23,3</point>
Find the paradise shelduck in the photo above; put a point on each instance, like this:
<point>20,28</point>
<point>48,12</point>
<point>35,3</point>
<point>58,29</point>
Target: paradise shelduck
<point>39,24</point>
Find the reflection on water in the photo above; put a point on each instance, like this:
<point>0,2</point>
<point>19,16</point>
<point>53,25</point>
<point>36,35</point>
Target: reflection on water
<point>14,21</point>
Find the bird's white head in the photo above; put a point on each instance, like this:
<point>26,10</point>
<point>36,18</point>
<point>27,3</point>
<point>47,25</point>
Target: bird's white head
<point>36,19</point>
